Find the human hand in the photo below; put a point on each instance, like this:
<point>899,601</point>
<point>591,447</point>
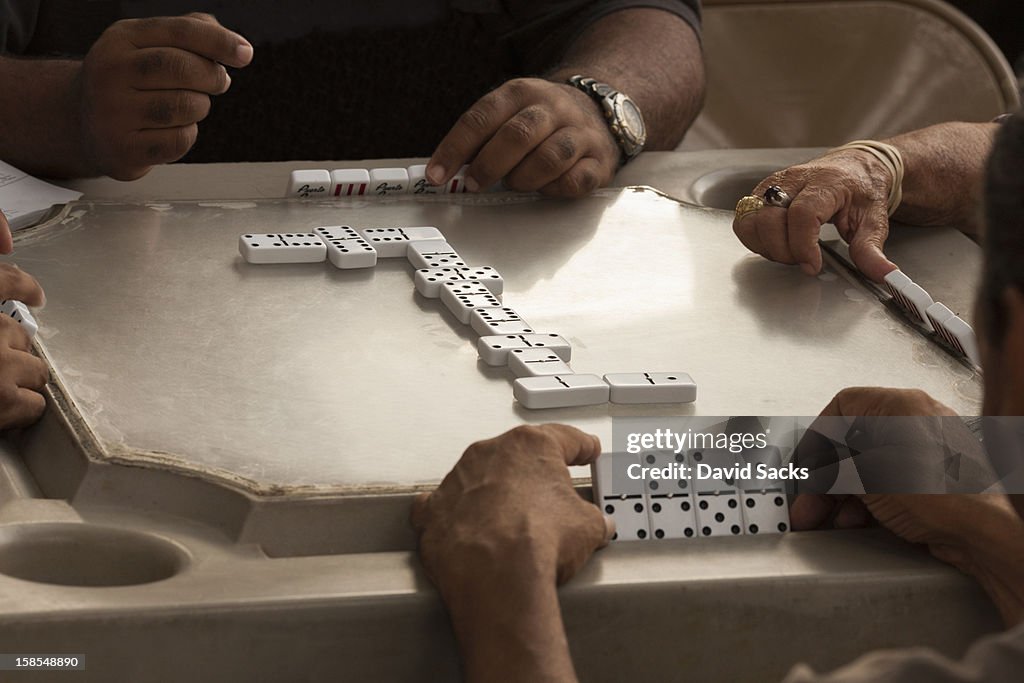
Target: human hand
<point>22,375</point>
<point>950,525</point>
<point>503,528</point>
<point>146,83</point>
<point>6,239</point>
<point>537,135</point>
<point>509,504</point>
<point>849,188</point>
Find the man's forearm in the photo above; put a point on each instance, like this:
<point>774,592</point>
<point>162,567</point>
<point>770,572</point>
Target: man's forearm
<point>651,55</point>
<point>509,628</point>
<point>944,169</point>
<point>40,118</point>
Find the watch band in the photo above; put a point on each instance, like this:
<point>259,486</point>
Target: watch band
<point>630,142</point>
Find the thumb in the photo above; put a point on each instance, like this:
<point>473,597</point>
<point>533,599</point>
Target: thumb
<point>866,249</point>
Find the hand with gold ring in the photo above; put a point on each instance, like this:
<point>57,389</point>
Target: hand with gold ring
<point>849,188</point>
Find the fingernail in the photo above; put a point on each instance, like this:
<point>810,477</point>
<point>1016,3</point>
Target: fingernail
<point>471,184</point>
<point>228,76</point>
<point>808,269</point>
<point>435,174</point>
<point>244,53</point>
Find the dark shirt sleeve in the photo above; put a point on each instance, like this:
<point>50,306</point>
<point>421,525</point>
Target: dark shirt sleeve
<point>17,23</point>
<point>541,31</point>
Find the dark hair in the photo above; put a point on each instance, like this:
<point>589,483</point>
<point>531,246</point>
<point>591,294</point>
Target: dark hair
<point>1004,225</point>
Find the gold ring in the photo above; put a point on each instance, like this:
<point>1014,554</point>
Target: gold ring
<point>747,205</point>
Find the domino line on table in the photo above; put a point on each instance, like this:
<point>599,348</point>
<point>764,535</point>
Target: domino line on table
<point>539,361</point>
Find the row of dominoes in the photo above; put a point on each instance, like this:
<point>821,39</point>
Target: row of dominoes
<point>473,295</point>
<point>652,509</point>
<point>933,316</point>
<point>20,313</point>
<point>540,361</point>
<point>360,182</point>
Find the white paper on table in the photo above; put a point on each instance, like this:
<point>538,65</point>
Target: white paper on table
<point>25,199</point>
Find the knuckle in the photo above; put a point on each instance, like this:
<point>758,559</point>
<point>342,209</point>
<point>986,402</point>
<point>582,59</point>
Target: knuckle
<point>159,110</point>
<point>517,88</point>
<point>475,119</point>
<point>531,436</point>
<point>149,62</point>
<point>182,140</point>
<point>520,130</point>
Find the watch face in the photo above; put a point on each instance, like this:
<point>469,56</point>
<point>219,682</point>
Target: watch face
<point>632,119</point>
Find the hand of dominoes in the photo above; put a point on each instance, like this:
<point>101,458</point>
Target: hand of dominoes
<point>360,182</point>
<point>678,506</point>
<point>21,315</point>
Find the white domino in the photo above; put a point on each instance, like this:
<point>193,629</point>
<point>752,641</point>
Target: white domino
<point>433,253</point>
<point>910,296</point>
<point>651,387</point>
<point>350,182</point>
<point>309,184</point>
<point>494,349</point>
<point>457,184</point>
<point>20,313</point>
<point>493,320</point>
<point>394,242</point>
<point>560,391</point>
<point>764,512</point>
<point>621,497</point>
<point>389,181</point>
<point>288,247</point>
<point>536,363</point>
<point>717,499</point>
<point>462,297</point>
<point>418,183</point>
<point>938,314</point>
<point>428,281</point>
<point>669,503</point>
<point>346,248</point>
<point>963,338</point>
<point>718,514</point>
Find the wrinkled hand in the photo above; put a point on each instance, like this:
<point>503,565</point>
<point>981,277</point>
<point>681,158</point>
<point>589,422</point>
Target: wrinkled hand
<point>849,188</point>
<point>22,375</point>
<point>537,135</point>
<point>945,523</point>
<point>145,85</point>
<point>509,506</point>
